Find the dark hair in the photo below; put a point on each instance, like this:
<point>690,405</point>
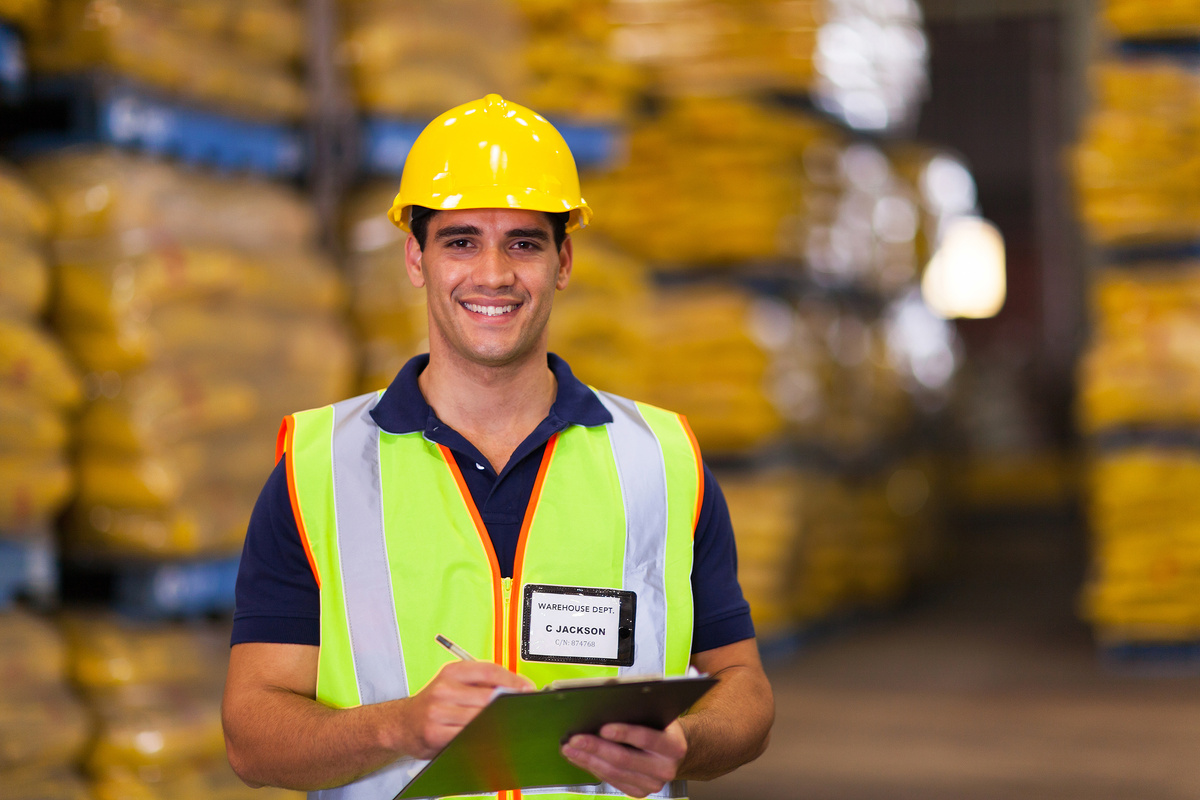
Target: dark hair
<point>420,215</point>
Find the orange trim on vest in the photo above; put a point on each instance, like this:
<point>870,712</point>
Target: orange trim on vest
<point>281,439</point>
<point>699,472</point>
<point>486,540</point>
<point>519,561</point>
<point>283,446</point>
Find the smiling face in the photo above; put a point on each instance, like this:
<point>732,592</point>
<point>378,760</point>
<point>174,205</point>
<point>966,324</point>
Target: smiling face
<point>489,277</point>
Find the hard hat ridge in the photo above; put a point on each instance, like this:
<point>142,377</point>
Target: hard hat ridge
<point>490,153</point>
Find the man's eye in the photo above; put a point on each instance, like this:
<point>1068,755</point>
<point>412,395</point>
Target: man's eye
<point>527,246</point>
<point>460,243</point>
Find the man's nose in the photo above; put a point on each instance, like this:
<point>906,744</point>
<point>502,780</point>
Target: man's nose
<point>494,268</point>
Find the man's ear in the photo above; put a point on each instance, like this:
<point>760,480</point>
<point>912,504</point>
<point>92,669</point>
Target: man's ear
<point>566,260</point>
<point>412,261</point>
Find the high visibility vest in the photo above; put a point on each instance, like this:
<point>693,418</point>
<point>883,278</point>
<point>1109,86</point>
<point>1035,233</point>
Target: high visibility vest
<point>400,554</point>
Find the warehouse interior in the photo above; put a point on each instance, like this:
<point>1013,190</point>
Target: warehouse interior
<point>922,275</point>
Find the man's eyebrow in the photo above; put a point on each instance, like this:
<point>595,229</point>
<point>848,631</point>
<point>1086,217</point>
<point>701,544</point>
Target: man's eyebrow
<point>455,231</point>
<point>529,233</point>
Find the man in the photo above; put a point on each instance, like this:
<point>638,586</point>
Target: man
<point>485,475</point>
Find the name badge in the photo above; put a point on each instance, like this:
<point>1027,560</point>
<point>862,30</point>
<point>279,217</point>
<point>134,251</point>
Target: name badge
<point>578,625</point>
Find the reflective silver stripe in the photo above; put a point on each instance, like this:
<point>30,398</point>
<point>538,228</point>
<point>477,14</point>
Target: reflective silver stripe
<point>672,791</point>
<point>358,499</point>
<point>382,785</point>
<point>643,476</point>
<point>366,579</point>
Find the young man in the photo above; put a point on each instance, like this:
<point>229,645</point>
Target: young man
<point>485,474</point>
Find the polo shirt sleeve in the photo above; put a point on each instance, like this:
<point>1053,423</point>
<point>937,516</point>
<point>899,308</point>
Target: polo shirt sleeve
<point>721,615</point>
<point>277,599</point>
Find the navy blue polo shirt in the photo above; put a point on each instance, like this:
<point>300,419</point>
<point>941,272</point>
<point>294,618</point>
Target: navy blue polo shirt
<point>277,595</point>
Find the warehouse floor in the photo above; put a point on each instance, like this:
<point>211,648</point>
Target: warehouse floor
<point>987,688</point>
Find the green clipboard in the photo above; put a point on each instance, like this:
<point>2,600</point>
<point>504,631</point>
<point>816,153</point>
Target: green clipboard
<point>514,742</point>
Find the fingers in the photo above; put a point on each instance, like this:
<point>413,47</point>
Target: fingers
<point>636,760</point>
<point>484,673</point>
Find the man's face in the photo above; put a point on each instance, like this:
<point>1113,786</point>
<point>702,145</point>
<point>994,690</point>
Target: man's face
<point>489,277</point>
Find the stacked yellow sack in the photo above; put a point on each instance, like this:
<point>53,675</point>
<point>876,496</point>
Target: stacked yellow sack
<point>196,339</point>
<point>768,511</point>
<point>1137,166</point>
<point>1143,509</point>
<point>570,61</point>
<point>387,310</point>
<point>240,56</point>
<point>719,46</point>
<point>837,383</point>
<point>414,58</point>
<point>864,540</point>
<point>1135,19</point>
<point>594,326</point>
<point>1142,366</point>
<point>705,357</point>
<point>38,385</point>
<point>26,13</point>
<point>710,182</point>
<point>45,728</point>
<point>155,690</point>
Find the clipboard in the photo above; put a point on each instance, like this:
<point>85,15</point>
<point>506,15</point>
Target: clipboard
<point>513,743</point>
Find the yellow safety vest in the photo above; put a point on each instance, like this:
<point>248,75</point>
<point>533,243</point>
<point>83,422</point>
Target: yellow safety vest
<point>400,554</point>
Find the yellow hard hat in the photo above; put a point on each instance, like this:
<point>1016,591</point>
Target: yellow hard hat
<point>490,153</point>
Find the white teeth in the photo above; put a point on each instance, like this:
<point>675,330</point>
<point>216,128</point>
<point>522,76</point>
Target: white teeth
<point>491,311</point>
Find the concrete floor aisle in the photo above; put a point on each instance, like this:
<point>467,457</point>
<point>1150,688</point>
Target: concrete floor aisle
<point>988,689</point>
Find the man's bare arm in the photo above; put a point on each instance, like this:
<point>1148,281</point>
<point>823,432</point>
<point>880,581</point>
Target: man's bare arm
<point>727,728</point>
<point>730,725</point>
<point>278,734</point>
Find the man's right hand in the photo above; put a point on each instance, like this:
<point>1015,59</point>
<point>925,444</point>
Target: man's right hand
<point>460,690</point>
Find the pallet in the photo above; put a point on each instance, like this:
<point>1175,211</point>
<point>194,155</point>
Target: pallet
<point>13,67</point>
<point>1151,658</point>
<point>384,144</point>
<point>154,590</point>
<point>29,568</point>
<point>107,110</point>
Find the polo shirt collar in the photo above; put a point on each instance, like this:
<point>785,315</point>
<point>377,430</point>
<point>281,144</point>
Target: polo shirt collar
<point>403,408</point>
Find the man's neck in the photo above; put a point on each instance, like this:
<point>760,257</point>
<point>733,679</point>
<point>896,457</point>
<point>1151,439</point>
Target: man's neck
<point>494,408</point>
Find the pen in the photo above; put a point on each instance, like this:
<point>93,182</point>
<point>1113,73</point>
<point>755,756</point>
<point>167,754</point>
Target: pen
<point>455,649</point>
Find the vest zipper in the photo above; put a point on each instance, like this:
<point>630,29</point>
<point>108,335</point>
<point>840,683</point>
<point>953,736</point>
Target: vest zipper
<point>506,591</point>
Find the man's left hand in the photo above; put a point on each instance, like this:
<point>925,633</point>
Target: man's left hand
<point>638,761</point>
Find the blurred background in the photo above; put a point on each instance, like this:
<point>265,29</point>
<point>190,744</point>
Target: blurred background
<point>924,277</point>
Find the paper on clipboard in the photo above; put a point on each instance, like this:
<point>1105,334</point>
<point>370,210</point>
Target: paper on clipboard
<point>514,742</point>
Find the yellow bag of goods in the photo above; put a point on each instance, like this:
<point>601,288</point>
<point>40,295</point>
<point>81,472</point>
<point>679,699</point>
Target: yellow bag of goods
<point>107,651</point>
<point>24,213</point>
<point>152,410</point>
<point>24,279</point>
<point>210,523</point>
<point>215,782</point>
<point>100,284</point>
<point>271,30</point>
<point>1142,508</point>
<point>704,361</point>
<point>32,651</point>
<point>45,726</point>
<point>767,511</point>
<point>1164,18</point>
<point>1135,165</point>
<point>57,783</point>
<point>412,58</point>
<point>32,490</point>
<point>33,364</point>
<point>1142,366</point>
<point>152,730</point>
<point>225,338</point>
<point>28,427</point>
<point>149,41</point>
<point>96,192</point>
